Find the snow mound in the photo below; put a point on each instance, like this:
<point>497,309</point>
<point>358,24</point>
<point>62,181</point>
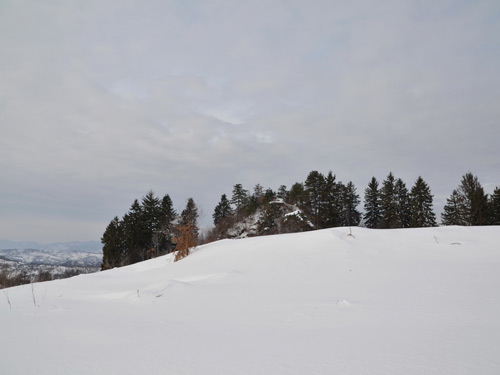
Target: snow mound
<point>379,302</point>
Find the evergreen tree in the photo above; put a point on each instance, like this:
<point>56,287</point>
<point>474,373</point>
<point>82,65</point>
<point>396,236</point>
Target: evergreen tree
<point>113,245</point>
<point>350,201</point>
<point>403,204</point>
<point>469,206</point>
<point>189,217</point>
<point>296,194</point>
<point>453,211</point>
<point>151,217</point>
<point>251,206</point>
<point>136,234</point>
<point>240,197</point>
<point>372,214</point>
<point>223,218</point>
<point>163,236</point>
<point>223,210</point>
<point>422,214</point>
<point>389,203</point>
<point>313,204</point>
<point>269,196</point>
<point>269,220</point>
<point>258,191</point>
<point>494,205</point>
<point>168,214</point>
<point>332,202</point>
<point>187,230</point>
<point>282,193</point>
<point>476,201</point>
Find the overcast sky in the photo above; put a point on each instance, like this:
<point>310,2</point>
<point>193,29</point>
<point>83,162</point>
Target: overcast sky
<point>104,100</point>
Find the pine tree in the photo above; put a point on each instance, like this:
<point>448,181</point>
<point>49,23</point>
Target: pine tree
<point>136,234</point>
<point>258,191</point>
<point>187,230</point>
<point>403,204</point>
<point>372,214</point>
<point>454,211</point>
<point>282,193</point>
<point>296,194</point>
<point>494,205</point>
<point>269,196</point>
<point>350,200</point>
<point>152,211</point>
<point>422,214</point>
<point>151,217</point>
<point>189,217</point>
<point>313,204</point>
<point>468,204</point>
<point>332,202</point>
<point>113,245</point>
<point>389,204</point>
<point>240,197</point>
<point>163,236</point>
<point>223,210</point>
<point>270,218</point>
<point>476,201</point>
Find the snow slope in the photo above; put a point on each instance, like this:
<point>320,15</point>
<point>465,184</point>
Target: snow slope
<point>413,301</point>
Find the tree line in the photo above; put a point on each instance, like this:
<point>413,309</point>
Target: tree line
<point>323,202</point>
<point>152,227</point>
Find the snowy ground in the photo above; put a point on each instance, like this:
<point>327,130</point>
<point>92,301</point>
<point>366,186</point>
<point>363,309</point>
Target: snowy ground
<point>419,301</point>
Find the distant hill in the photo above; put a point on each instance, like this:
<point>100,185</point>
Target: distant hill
<point>24,262</point>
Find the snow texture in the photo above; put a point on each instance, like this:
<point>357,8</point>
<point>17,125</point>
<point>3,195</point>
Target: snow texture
<point>410,301</point>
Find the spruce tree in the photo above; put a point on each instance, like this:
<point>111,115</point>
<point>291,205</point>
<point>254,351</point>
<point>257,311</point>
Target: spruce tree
<point>494,207</point>
<point>389,203</point>
<point>332,202</point>
<point>314,188</point>
<point>269,196</point>
<point>223,210</point>
<point>282,193</point>
<point>475,200</point>
<point>403,204</point>
<point>168,214</point>
<point>240,197</point>
<point>372,214</point>
<point>258,191</point>
<point>164,234</point>
<point>350,200</point>
<point>422,214</point>
<point>454,210</point>
<point>151,216</point>
<point>468,204</point>
<point>136,234</point>
<point>189,217</point>
<point>113,245</point>
<point>187,230</point>
<point>296,194</point>
<point>270,219</point>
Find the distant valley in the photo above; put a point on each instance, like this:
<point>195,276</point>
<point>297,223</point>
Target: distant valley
<point>24,262</point>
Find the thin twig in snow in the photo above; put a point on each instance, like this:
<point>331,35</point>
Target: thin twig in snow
<point>8,299</point>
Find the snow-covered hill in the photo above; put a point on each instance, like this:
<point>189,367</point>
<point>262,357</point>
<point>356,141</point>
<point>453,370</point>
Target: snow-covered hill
<point>411,301</point>
<point>59,263</point>
<point>53,258</point>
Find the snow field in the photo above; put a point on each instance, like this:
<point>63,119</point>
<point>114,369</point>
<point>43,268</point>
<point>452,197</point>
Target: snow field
<point>412,301</point>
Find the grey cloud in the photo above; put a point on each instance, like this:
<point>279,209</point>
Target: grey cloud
<point>102,101</point>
